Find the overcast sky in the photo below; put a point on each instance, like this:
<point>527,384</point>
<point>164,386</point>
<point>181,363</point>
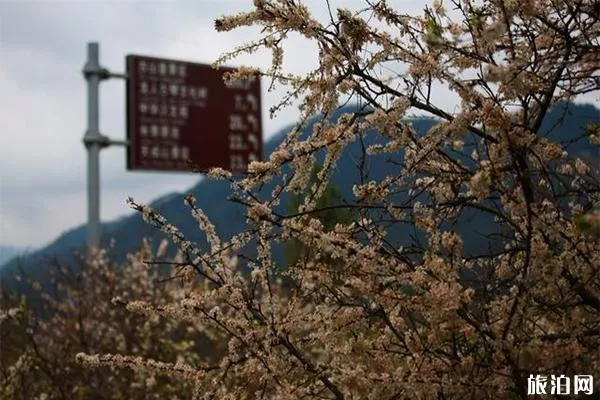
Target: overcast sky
<point>43,100</point>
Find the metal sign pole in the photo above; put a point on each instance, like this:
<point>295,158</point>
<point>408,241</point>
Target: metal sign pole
<point>94,141</point>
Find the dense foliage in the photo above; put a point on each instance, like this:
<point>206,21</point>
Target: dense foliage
<point>82,309</point>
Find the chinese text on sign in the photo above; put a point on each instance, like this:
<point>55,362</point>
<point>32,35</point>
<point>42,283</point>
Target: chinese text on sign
<point>180,111</point>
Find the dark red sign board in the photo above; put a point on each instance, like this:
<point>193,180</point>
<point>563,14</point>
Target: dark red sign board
<point>180,113</point>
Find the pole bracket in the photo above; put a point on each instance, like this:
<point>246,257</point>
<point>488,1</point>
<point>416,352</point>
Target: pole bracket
<point>117,75</point>
<point>90,139</point>
<point>101,72</point>
<point>90,70</point>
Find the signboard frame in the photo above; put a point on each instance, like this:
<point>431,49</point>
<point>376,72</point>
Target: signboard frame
<point>181,117</point>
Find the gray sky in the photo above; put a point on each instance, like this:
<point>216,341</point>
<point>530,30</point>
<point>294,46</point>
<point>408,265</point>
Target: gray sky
<point>43,101</point>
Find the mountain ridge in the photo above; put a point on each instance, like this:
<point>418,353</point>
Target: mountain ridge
<point>229,218</point>
<point>9,252</point>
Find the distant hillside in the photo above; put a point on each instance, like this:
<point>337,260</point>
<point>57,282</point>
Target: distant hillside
<point>229,218</point>
<point>9,252</point>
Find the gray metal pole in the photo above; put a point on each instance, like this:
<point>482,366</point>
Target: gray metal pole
<point>93,141</point>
